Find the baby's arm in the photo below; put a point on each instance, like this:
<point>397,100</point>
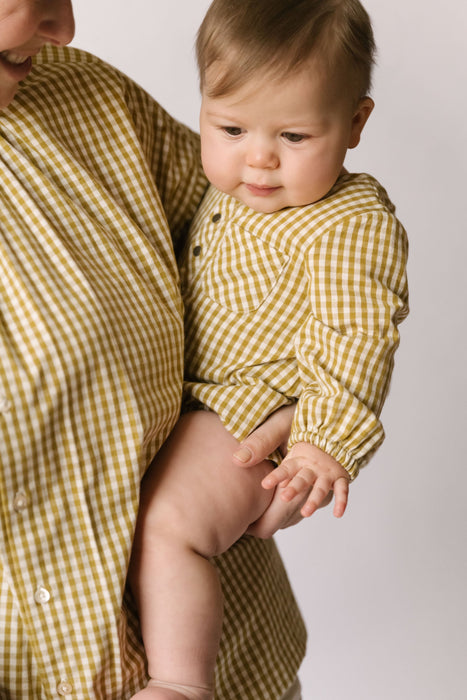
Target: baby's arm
<point>310,471</point>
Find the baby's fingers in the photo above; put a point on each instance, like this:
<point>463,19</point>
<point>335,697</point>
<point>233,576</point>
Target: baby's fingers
<point>301,483</point>
<point>341,496</point>
<point>319,492</point>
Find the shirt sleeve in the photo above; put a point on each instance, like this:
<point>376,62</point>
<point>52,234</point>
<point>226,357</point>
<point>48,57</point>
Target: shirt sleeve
<point>173,153</point>
<point>345,350</point>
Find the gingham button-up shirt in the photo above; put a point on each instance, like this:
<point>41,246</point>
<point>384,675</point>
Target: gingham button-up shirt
<point>93,173</point>
<point>301,304</point>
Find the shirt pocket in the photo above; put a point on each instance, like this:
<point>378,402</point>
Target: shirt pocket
<point>243,271</point>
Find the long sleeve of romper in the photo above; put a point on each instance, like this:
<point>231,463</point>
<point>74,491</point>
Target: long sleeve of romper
<point>345,349</point>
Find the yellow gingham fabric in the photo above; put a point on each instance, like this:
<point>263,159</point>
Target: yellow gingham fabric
<point>301,304</point>
<point>90,385</point>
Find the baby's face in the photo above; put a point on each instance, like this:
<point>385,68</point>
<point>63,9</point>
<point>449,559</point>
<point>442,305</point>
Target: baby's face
<point>277,144</point>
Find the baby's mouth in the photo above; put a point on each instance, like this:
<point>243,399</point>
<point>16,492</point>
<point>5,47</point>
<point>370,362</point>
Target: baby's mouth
<point>261,190</point>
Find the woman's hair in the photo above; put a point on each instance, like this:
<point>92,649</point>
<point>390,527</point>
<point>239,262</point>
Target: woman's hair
<point>244,38</point>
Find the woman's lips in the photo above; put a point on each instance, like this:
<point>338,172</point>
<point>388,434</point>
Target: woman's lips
<point>17,67</point>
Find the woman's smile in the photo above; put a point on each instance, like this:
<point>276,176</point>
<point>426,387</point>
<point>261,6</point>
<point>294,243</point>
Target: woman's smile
<point>18,66</point>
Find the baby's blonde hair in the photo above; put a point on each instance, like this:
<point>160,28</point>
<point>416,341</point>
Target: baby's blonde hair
<point>244,38</point>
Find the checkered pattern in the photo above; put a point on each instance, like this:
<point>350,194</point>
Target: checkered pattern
<point>92,170</point>
<point>302,304</point>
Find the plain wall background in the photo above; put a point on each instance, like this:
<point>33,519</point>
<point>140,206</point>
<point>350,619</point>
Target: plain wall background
<point>384,590</point>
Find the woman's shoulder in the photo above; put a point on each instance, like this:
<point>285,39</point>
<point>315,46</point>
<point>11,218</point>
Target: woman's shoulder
<point>72,65</point>
<point>68,56</point>
<point>82,83</point>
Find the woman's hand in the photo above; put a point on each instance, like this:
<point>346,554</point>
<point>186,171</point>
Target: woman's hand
<point>272,435</point>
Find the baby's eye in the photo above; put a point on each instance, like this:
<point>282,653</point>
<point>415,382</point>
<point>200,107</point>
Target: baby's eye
<point>232,130</point>
<point>294,138</point>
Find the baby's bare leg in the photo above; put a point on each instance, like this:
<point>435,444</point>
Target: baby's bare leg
<point>195,503</point>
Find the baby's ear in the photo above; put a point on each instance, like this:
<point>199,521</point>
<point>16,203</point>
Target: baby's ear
<point>359,119</point>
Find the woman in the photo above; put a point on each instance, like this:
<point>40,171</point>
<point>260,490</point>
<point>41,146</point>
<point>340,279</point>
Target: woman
<point>94,174</point>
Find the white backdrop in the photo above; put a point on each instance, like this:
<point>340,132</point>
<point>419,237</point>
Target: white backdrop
<point>384,590</point>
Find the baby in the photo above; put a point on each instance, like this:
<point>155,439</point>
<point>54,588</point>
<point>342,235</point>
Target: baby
<point>293,279</point>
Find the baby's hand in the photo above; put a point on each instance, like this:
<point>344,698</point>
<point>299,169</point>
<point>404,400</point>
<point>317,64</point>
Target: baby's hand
<point>307,467</point>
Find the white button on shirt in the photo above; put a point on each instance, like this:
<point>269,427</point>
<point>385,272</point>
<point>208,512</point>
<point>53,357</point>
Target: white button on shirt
<point>20,502</point>
<point>42,595</point>
<point>64,687</point>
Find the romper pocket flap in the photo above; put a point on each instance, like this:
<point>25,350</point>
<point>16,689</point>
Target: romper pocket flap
<point>243,271</point>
